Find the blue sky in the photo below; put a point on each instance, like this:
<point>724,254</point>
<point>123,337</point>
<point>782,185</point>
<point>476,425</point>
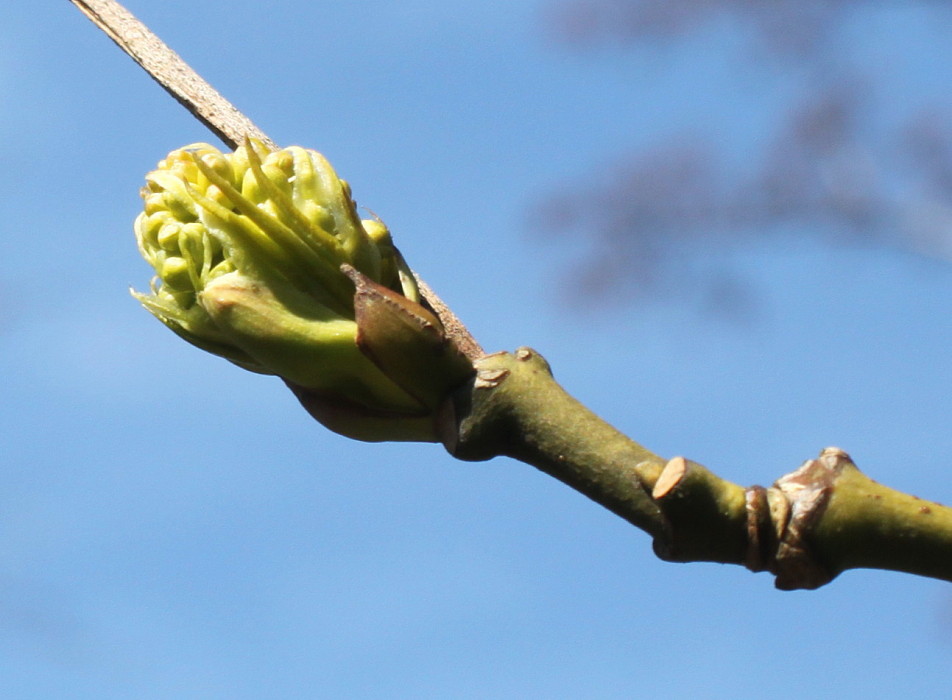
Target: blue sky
<point>171,526</point>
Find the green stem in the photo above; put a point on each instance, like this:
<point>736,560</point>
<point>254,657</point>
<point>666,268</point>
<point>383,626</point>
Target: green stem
<point>812,524</point>
<point>868,525</point>
<point>515,408</point>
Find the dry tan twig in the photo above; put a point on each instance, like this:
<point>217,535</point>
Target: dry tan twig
<point>171,72</point>
<point>214,111</point>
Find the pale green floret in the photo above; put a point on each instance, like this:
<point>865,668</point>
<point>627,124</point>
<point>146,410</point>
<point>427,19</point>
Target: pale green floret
<point>304,340</point>
<point>247,249</point>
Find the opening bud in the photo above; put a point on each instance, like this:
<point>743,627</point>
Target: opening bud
<point>261,258</point>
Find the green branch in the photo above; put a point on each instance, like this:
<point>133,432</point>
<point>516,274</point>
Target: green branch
<point>514,407</point>
<point>811,525</point>
<point>383,373</point>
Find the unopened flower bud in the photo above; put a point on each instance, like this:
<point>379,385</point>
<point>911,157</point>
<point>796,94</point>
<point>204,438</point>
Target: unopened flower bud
<point>260,258</point>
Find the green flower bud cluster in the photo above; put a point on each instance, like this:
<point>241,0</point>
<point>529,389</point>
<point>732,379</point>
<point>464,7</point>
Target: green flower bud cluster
<point>261,258</point>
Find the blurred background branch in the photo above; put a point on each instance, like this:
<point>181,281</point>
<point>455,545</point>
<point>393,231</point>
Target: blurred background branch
<point>845,157</point>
